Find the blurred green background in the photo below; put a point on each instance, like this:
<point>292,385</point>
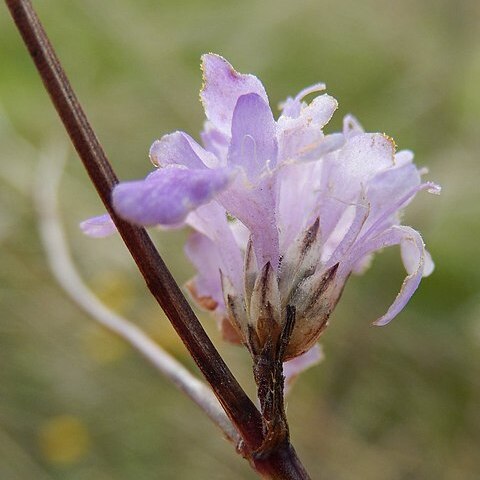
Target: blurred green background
<point>394,403</point>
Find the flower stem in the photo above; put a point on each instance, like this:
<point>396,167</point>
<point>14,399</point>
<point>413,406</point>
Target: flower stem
<point>268,374</point>
<point>280,463</point>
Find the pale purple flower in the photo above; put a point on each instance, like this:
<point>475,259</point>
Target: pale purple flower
<point>281,213</point>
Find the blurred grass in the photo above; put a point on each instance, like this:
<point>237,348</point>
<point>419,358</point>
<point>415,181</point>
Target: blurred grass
<point>393,403</point>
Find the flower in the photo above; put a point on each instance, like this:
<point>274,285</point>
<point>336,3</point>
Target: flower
<point>281,212</point>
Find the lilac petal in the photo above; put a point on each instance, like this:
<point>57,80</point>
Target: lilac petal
<point>392,191</point>
<point>363,264</point>
<point>293,368</point>
<point>254,206</point>
<point>429,264</point>
<point>98,227</point>
<point>178,148</point>
<point>320,110</point>
<point>206,287</point>
<point>403,157</point>
<point>297,185</point>
<point>351,126</point>
<point>240,232</point>
<point>413,255</point>
<point>253,136</point>
<point>211,221</point>
<point>215,142</point>
<point>365,155</point>
<point>348,239</point>
<point>321,147</point>
<point>388,192</point>
<point>301,137</point>
<point>316,87</point>
<point>222,88</point>
<point>347,171</point>
<point>167,195</point>
<point>292,106</point>
<point>410,260</point>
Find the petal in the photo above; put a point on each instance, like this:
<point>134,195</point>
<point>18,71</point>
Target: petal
<point>178,148</point>
<point>347,171</point>
<point>254,206</point>
<point>293,368</point>
<point>253,136</point>
<point>320,110</point>
<point>323,145</point>
<point>341,245</point>
<point>365,155</point>
<point>222,88</point>
<point>240,232</point>
<point>297,185</point>
<point>316,87</point>
<point>206,287</point>
<point>413,255</point>
<point>98,227</point>
<point>211,221</point>
<point>363,264</point>
<point>215,142</point>
<point>410,260</point>
<point>403,157</point>
<point>292,106</point>
<point>387,193</point>
<point>301,137</point>
<point>167,195</point>
<point>391,191</point>
<point>351,126</point>
<point>429,264</point>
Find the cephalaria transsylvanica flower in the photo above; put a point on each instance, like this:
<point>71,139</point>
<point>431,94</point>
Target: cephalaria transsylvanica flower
<point>281,213</point>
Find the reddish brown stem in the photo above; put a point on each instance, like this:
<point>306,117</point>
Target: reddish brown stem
<point>281,464</point>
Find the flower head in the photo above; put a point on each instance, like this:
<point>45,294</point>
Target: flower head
<point>281,213</point>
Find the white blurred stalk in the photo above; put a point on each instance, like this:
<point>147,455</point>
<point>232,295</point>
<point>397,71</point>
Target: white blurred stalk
<point>53,237</point>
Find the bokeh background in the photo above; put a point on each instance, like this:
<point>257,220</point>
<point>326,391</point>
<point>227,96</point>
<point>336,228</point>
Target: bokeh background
<point>393,403</point>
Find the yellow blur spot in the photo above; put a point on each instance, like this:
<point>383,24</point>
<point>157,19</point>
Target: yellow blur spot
<point>64,440</point>
<point>157,327</point>
<point>103,346</point>
<point>115,290</point>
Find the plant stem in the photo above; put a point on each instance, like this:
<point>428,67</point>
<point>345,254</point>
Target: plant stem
<point>281,463</point>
